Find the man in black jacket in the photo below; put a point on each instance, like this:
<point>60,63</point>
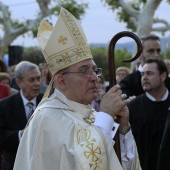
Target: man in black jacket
<point>163,160</point>
<point>131,84</point>
<point>148,113</point>
<point>14,111</point>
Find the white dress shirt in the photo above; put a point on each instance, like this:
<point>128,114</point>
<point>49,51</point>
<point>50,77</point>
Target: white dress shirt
<point>106,123</point>
<point>25,101</point>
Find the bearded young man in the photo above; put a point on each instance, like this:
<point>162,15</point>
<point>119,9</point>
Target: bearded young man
<point>148,112</point>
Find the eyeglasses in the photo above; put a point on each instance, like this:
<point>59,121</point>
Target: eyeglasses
<point>87,72</point>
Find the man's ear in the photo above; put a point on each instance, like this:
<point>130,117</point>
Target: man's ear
<point>60,80</point>
<point>18,81</point>
<point>163,76</point>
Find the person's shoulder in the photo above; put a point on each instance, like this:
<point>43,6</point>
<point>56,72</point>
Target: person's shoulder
<point>13,91</point>
<point>130,81</point>
<point>133,75</point>
<point>51,116</point>
<point>40,95</point>
<point>131,78</point>
<point>168,81</point>
<point>10,98</point>
<point>138,100</point>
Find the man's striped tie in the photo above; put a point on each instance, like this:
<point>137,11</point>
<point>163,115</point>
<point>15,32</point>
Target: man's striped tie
<point>31,110</point>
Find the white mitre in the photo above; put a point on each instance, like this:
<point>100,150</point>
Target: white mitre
<point>65,44</point>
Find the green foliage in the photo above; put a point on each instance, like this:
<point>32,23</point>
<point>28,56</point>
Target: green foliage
<point>17,24</point>
<point>101,60</point>
<point>122,14</point>
<point>124,17</point>
<point>100,55</point>
<point>34,31</point>
<point>33,55</point>
<point>114,5</point>
<point>78,10</point>
<point>121,55</point>
<point>167,54</point>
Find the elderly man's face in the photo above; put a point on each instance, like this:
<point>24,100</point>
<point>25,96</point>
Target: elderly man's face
<point>30,84</point>
<point>79,88</point>
<point>151,49</point>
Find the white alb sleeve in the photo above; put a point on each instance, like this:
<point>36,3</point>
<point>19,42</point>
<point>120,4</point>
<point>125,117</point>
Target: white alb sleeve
<point>107,125</point>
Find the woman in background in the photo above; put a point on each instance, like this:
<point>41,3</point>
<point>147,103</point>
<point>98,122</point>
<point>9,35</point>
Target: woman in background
<point>121,73</point>
<point>5,78</point>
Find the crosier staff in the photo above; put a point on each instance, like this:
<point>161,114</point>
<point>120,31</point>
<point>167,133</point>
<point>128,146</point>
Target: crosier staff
<point>112,72</point>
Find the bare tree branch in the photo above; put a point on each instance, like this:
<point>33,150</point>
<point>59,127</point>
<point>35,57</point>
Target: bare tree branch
<point>11,29</point>
<point>131,11</point>
<point>43,5</point>
<point>162,21</point>
<point>164,28</point>
<point>5,19</point>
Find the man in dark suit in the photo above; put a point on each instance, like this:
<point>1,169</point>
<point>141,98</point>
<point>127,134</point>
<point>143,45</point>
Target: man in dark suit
<point>14,111</point>
<point>148,113</point>
<point>163,160</point>
<point>131,84</point>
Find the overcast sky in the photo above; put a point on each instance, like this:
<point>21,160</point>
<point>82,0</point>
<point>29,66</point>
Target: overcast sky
<point>99,23</point>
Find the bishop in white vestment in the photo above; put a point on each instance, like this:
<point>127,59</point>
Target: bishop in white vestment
<point>58,138</point>
<point>65,132</point>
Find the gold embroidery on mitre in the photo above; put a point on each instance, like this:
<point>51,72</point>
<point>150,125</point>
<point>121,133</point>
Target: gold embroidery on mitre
<point>81,49</point>
<point>90,147</point>
<point>50,66</point>
<point>62,40</point>
<point>70,37</point>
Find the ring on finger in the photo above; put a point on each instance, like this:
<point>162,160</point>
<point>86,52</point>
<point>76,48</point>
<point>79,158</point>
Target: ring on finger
<point>123,96</point>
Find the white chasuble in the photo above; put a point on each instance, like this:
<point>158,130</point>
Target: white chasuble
<point>58,138</point>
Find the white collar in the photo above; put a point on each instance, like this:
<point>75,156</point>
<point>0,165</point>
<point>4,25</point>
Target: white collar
<point>163,98</point>
<point>25,101</point>
<point>140,68</point>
